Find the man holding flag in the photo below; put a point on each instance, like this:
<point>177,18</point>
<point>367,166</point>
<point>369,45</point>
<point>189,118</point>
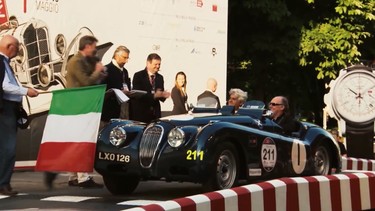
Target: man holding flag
<point>69,138</point>
<point>11,98</point>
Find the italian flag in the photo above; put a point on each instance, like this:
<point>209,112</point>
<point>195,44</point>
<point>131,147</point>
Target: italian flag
<point>70,133</point>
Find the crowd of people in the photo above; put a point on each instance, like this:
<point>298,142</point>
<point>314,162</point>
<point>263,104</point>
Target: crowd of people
<point>85,69</point>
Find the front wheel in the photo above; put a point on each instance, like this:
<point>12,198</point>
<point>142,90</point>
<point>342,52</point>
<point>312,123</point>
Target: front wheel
<point>224,174</point>
<point>120,185</point>
<point>322,160</point>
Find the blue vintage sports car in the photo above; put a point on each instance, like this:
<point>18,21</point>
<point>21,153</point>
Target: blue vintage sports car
<point>215,148</point>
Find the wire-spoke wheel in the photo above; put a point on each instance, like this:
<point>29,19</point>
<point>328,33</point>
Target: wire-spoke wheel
<point>322,160</point>
<point>226,169</point>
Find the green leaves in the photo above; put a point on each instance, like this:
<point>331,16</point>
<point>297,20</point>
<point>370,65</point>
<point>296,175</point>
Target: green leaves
<point>332,42</point>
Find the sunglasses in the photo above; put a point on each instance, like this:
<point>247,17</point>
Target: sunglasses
<point>274,104</point>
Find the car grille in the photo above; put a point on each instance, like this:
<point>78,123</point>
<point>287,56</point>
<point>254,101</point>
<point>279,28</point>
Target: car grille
<point>149,145</point>
<point>37,47</point>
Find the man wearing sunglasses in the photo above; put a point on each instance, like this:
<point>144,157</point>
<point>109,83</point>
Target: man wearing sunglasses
<point>279,106</point>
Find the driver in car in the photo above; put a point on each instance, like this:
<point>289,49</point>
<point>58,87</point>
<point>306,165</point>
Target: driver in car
<point>279,106</point>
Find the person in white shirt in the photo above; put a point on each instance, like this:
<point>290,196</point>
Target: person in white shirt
<point>12,94</point>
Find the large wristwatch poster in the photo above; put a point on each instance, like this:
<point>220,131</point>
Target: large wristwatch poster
<point>351,101</point>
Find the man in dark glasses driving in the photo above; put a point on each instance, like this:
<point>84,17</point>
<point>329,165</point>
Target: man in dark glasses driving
<point>279,106</point>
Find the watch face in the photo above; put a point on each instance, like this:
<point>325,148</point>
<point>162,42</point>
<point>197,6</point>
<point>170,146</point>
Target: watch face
<point>354,96</point>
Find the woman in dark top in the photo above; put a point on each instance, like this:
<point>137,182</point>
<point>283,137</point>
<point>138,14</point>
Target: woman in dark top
<point>179,95</point>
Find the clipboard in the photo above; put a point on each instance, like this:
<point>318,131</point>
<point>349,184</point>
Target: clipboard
<point>120,96</point>
<point>136,93</point>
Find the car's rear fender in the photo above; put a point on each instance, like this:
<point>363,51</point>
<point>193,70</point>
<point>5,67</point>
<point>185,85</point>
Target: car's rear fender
<point>317,135</point>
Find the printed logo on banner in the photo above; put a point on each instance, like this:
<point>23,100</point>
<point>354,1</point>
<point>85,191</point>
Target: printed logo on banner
<point>268,154</point>
<point>199,28</point>
<point>213,51</point>
<point>47,6</point>
<point>156,47</point>
<point>3,12</point>
<point>199,3</point>
<point>195,51</point>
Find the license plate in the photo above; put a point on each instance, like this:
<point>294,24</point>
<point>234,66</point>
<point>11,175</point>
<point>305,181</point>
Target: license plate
<point>114,157</point>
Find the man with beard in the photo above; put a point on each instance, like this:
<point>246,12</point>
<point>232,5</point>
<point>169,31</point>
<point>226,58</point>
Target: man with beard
<point>83,69</point>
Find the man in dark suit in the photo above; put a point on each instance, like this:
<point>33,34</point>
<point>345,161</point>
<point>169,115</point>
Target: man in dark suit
<point>147,107</point>
<point>208,98</point>
<point>118,78</point>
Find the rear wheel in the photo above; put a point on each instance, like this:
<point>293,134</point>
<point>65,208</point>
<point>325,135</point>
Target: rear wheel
<point>224,174</point>
<point>322,160</point>
<point>120,185</point>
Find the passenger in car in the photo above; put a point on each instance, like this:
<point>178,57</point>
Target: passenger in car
<point>279,106</point>
<point>237,98</point>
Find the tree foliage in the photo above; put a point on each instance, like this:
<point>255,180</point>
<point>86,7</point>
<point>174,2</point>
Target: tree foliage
<point>331,40</point>
<point>282,47</point>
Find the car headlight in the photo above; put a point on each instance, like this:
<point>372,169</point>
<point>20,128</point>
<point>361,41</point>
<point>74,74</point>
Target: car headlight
<point>176,137</point>
<point>44,75</point>
<point>117,136</point>
<point>60,44</point>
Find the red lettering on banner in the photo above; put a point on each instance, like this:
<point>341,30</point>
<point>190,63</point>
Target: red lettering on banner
<point>214,7</point>
<point>3,12</point>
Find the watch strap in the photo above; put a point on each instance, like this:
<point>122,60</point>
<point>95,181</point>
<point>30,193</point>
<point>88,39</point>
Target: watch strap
<point>360,140</point>
<point>358,67</point>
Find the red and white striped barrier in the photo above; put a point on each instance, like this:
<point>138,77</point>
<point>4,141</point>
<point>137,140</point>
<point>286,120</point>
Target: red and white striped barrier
<point>334,192</point>
<point>349,163</point>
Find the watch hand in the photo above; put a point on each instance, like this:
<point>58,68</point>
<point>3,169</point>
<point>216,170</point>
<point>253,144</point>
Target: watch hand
<point>352,91</point>
<point>357,95</point>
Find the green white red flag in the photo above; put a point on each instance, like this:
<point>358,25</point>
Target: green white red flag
<point>71,130</point>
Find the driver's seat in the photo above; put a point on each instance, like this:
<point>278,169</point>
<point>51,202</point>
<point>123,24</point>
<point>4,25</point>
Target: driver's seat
<point>301,132</point>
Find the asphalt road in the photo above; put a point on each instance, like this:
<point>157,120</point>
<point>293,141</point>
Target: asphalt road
<point>33,195</point>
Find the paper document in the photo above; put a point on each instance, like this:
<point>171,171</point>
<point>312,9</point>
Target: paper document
<point>136,93</point>
<point>121,97</point>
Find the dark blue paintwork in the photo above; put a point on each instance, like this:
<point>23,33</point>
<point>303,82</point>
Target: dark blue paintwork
<point>204,133</point>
